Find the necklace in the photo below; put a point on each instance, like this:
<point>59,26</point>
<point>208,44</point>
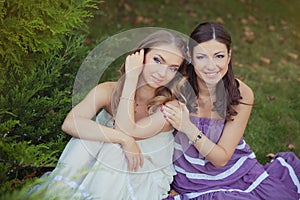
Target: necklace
<point>202,103</point>
<point>139,108</point>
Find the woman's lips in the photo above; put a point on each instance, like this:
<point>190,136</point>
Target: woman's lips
<point>211,74</point>
<point>156,80</point>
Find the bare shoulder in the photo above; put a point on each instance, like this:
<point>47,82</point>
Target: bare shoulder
<point>103,92</point>
<point>106,87</point>
<point>246,92</point>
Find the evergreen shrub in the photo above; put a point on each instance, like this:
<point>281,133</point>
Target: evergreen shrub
<point>42,44</point>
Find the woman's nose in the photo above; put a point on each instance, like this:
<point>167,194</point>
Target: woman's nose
<point>211,65</point>
<point>163,70</point>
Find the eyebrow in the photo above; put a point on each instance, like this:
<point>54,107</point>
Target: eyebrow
<point>172,65</point>
<point>214,53</point>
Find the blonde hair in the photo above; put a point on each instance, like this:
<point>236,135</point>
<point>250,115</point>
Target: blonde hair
<point>165,93</point>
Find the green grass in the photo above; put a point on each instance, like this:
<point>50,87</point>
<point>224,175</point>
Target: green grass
<point>274,122</point>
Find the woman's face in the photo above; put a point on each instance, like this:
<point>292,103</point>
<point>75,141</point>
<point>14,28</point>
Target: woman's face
<point>210,60</point>
<point>161,65</point>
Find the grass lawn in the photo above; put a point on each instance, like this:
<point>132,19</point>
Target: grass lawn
<point>266,44</point>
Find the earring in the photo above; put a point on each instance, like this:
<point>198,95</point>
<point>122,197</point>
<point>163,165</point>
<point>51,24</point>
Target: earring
<point>189,60</point>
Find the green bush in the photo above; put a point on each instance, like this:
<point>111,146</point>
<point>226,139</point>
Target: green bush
<point>42,44</point>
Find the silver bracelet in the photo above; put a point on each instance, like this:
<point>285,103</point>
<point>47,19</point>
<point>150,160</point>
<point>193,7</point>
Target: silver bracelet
<point>198,137</point>
<point>127,98</point>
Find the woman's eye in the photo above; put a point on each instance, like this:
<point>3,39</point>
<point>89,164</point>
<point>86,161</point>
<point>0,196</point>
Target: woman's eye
<point>220,56</point>
<point>173,69</point>
<point>199,57</point>
<point>157,60</point>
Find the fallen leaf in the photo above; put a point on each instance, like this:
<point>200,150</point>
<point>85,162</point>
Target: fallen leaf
<point>265,60</point>
<point>33,174</point>
<point>88,40</point>
<point>249,35</point>
<point>252,19</point>
<point>220,20</point>
<point>144,20</point>
<point>270,155</point>
<point>292,55</point>
<point>271,28</point>
<point>127,7</point>
<point>282,21</point>
<point>244,21</point>
<point>139,19</point>
<point>283,61</point>
<point>271,97</point>
<point>291,146</point>
<point>193,14</point>
<point>255,66</point>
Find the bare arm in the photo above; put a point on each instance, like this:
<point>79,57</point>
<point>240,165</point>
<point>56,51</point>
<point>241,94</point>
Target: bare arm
<point>79,123</point>
<point>125,117</point>
<point>219,154</point>
<point>233,130</point>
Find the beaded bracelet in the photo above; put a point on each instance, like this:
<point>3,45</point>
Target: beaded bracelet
<point>127,98</point>
<point>198,137</point>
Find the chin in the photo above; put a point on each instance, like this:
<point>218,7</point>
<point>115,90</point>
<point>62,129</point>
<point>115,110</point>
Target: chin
<point>212,82</point>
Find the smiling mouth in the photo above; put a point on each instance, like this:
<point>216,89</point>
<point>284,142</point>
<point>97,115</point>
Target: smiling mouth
<point>211,74</point>
<point>156,80</point>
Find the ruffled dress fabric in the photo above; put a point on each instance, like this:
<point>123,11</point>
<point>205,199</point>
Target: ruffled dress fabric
<point>98,170</point>
<point>243,178</point>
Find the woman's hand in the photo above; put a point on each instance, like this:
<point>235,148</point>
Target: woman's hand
<point>134,63</point>
<point>177,116</point>
<point>173,193</point>
<point>133,154</point>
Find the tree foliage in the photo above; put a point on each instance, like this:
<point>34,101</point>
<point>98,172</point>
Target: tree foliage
<point>42,43</point>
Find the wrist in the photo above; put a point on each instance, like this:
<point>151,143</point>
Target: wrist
<point>197,137</point>
<point>126,140</point>
<point>131,77</point>
<point>192,132</point>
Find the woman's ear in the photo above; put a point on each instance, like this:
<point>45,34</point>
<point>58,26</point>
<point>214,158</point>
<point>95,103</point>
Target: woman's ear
<point>189,59</point>
<point>229,55</point>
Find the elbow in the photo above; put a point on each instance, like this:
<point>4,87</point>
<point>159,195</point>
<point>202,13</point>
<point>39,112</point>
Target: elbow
<point>221,161</point>
<point>66,127</point>
<point>220,164</point>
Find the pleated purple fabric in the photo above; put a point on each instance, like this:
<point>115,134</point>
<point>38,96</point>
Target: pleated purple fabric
<point>243,178</point>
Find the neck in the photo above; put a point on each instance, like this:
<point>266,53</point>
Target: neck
<point>206,91</point>
<point>143,94</point>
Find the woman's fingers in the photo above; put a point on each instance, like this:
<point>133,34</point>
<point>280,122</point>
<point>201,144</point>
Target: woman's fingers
<point>171,111</point>
<point>176,115</point>
<point>135,60</point>
<point>133,154</point>
<point>141,158</point>
<point>135,161</point>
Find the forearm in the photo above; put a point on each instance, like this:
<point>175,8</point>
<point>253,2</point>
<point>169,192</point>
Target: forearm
<point>207,148</point>
<point>90,130</point>
<point>125,119</point>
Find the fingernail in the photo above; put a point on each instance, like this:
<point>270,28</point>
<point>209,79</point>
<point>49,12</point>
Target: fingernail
<point>161,108</point>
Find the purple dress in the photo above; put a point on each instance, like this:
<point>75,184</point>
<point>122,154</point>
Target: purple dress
<point>242,178</point>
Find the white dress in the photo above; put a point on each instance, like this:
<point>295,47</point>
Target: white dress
<point>98,170</point>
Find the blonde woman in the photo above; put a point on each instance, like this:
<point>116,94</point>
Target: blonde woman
<point>128,153</point>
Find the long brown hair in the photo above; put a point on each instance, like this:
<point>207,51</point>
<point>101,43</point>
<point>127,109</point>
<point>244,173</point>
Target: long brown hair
<point>227,89</point>
<point>164,93</point>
